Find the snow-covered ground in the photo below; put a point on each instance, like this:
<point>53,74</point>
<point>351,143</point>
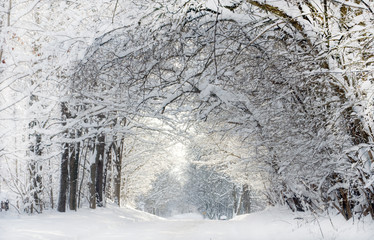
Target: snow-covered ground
<point>130,224</point>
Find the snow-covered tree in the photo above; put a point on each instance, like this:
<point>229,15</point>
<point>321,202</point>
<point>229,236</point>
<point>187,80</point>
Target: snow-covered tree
<point>165,197</point>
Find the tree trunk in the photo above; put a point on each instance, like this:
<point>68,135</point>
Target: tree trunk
<point>73,183</point>
<point>8,24</point>
<point>118,172</point>
<point>108,173</point>
<point>246,199</point>
<point>63,179</point>
<point>34,171</point>
<point>85,160</point>
<point>92,185</point>
<point>100,152</point>
<point>117,185</point>
<point>235,201</point>
<point>51,195</point>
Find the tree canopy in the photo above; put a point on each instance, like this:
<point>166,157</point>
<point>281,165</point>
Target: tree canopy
<point>277,94</point>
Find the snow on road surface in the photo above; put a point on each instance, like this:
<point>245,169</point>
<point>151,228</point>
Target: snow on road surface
<point>129,224</point>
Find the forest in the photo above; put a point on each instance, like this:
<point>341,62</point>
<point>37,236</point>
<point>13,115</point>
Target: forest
<point>220,107</point>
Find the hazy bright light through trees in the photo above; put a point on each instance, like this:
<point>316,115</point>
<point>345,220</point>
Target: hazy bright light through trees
<point>219,107</point>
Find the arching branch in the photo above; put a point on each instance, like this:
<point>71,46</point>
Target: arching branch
<point>279,13</point>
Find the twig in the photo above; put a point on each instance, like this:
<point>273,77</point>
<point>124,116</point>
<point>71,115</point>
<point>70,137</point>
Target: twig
<point>114,11</point>
<point>319,225</point>
<point>367,6</point>
<point>328,214</point>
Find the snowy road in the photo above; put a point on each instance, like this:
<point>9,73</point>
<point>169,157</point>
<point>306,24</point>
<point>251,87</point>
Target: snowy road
<point>129,224</point>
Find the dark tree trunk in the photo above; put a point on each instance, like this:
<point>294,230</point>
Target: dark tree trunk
<point>246,199</point>
<point>73,173</point>
<point>85,161</point>
<point>235,200</point>
<point>118,172</point>
<point>51,193</point>
<point>92,186</point>
<point>100,151</point>
<point>63,179</point>
<point>108,173</point>
<point>117,185</point>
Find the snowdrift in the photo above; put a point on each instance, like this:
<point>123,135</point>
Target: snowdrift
<point>127,223</point>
